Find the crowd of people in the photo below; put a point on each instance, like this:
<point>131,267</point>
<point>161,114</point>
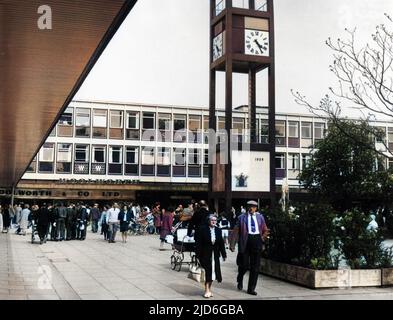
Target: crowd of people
<point>209,229</point>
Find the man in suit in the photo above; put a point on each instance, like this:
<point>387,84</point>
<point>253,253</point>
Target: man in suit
<point>250,232</point>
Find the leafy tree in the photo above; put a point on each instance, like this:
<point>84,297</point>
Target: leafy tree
<point>343,170</point>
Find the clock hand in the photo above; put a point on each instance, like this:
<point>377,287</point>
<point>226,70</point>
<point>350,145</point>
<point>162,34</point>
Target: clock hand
<point>259,46</point>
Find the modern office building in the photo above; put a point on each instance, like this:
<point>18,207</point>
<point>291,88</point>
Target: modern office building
<point>100,151</point>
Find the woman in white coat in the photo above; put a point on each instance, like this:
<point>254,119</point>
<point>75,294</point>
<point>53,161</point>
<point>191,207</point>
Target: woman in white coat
<point>24,220</point>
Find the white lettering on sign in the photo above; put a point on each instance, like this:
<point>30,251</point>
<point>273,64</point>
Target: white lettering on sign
<point>44,21</point>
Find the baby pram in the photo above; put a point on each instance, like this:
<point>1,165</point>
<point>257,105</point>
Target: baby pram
<point>181,244</point>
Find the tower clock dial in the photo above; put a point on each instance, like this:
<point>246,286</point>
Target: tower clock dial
<point>256,42</point>
<point>218,47</point>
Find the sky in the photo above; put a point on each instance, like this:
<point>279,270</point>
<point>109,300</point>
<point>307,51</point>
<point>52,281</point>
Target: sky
<point>160,54</point>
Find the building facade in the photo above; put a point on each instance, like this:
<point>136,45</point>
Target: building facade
<point>103,151</point>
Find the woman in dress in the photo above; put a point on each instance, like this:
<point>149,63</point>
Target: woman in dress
<point>211,248</point>
<point>166,225</point>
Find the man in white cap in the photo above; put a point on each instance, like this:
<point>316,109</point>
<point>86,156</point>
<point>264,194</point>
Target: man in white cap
<point>249,232</point>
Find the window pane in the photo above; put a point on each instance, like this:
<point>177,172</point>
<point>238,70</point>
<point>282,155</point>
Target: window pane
<point>133,120</point>
<point>82,117</point>
<point>99,155</point>
<point>179,156</point>
<point>67,117</point>
<point>116,119</point>
<point>194,123</point>
<point>99,118</point>
<point>306,130</point>
<point>148,120</point>
<point>115,155</point>
<point>293,128</point>
<point>164,121</point>
<point>64,152</point>
<point>81,153</point>
<point>280,128</point>
<point>132,155</point>
<point>293,161</point>
<point>47,152</point>
<point>163,157</point>
<point>179,122</point>
<point>148,156</point>
<point>319,129</point>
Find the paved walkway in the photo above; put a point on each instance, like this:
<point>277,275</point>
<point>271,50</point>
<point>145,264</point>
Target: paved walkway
<point>93,269</point>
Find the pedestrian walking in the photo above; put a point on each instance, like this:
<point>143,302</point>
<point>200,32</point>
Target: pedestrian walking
<point>249,232</point>
<point>95,217</point>
<point>61,213</point>
<point>24,220</point>
<point>198,220</point>
<point>82,218</point>
<point>113,222</point>
<point>43,223</point>
<point>125,217</point>
<point>104,223</point>
<point>211,248</point>
<point>166,225</point>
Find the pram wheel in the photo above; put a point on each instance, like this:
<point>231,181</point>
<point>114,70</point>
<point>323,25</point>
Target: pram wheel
<point>179,261</point>
<point>173,262</point>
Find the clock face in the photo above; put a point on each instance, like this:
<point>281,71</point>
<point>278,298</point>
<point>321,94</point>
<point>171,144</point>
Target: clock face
<point>217,47</point>
<point>256,42</point>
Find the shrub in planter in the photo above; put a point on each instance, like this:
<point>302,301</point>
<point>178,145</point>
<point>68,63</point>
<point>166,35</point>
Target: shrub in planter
<point>362,248</point>
<point>303,237</point>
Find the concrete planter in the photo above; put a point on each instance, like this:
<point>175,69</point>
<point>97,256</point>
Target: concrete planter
<point>387,277</point>
<point>317,279</point>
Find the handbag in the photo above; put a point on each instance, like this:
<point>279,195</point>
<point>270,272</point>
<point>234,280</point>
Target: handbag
<point>197,273</point>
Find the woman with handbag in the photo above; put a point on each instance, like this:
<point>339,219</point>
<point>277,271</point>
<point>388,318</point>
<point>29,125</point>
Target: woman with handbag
<point>211,248</point>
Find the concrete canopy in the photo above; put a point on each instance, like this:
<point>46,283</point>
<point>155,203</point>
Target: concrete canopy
<point>42,69</point>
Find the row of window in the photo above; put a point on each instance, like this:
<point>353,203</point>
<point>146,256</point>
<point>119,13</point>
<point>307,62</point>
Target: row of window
<point>296,162</point>
<point>118,160</point>
<point>153,126</point>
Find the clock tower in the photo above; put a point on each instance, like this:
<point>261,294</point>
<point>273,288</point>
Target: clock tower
<point>242,41</point>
